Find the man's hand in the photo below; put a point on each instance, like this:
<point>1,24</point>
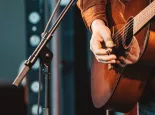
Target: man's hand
<point>101,33</point>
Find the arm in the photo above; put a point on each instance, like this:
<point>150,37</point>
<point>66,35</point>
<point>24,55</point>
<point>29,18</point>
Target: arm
<point>91,10</point>
<point>94,15</point>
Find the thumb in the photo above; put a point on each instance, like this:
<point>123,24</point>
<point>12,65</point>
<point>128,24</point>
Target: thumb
<point>109,44</point>
<point>106,35</point>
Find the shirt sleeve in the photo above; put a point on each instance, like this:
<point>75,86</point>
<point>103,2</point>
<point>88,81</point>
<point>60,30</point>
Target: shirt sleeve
<point>91,10</point>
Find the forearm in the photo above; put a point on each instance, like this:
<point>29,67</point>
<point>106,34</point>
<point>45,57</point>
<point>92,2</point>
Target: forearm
<point>92,10</point>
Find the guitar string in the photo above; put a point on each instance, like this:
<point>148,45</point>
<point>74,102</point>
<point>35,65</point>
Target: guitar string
<point>122,29</point>
<point>118,34</point>
<point>119,37</point>
<point>126,29</point>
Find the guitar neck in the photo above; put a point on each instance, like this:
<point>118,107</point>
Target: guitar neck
<point>143,17</point>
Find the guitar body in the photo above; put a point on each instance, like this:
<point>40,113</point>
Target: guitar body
<point>119,89</point>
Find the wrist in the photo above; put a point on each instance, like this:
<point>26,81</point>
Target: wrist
<point>96,23</point>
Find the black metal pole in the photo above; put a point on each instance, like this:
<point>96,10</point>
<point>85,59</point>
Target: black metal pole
<point>46,38</point>
<point>47,92</point>
<point>45,58</point>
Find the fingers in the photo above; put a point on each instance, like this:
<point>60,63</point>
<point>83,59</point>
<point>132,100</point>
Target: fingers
<point>101,51</point>
<point>96,46</point>
<point>105,57</point>
<point>101,33</point>
<point>108,62</point>
<point>124,60</point>
<point>132,54</point>
<point>99,27</point>
<point>102,56</point>
<point>106,36</point>
<point>109,44</point>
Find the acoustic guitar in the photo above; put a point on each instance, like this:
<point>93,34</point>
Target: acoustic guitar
<point>120,88</point>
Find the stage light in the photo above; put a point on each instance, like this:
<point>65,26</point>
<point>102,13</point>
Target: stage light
<point>35,109</point>
<point>34,28</point>
<point>34,14</point>
<point>34,17</point>
<point>35,86</point>
<point>36,65</point>
<point>34,40</point>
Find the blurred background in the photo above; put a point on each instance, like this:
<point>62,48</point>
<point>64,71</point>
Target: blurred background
<point>21,25</point>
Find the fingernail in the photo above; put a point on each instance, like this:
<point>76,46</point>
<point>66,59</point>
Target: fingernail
<point>110,44</point>
<point>108,51</point>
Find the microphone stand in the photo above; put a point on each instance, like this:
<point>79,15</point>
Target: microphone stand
<point>45,39</point>
<point>45,61</point>
<point>45,56</point>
